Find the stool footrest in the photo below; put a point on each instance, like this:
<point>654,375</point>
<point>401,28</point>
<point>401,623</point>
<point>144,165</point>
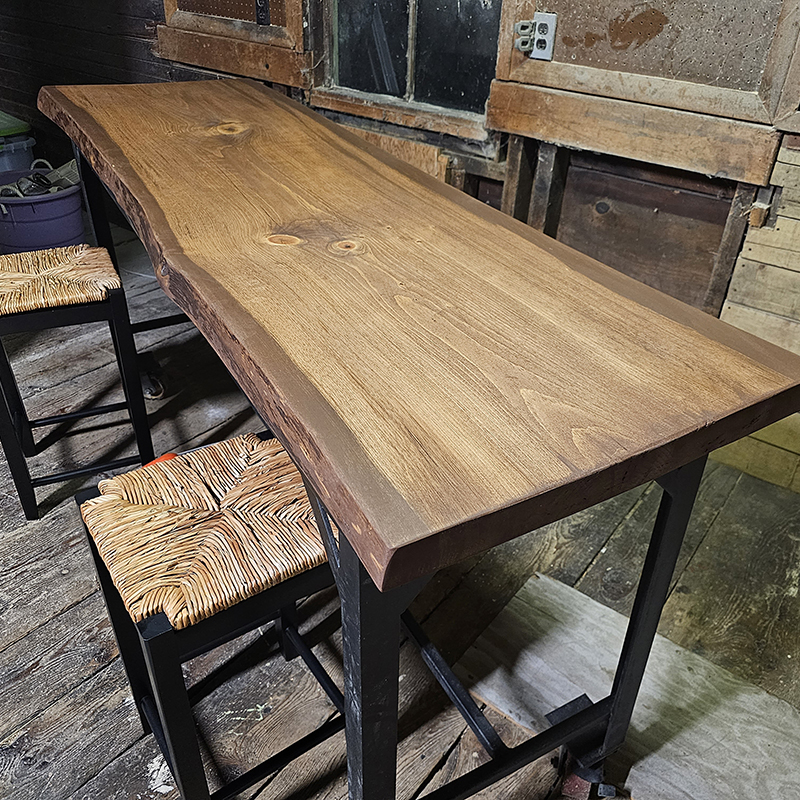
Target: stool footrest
<point>88,412</point>
<point>59,477</point>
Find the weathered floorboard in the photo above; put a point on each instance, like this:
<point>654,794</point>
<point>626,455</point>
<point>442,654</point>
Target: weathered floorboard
<point>44,583</point>
<point>736,603</point>
<point>613,576</point>
<point>57,751</point>
<point>52,660</point>
<point>698,732</point>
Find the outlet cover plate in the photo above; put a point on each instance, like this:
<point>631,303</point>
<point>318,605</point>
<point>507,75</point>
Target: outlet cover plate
<point>543,36</point>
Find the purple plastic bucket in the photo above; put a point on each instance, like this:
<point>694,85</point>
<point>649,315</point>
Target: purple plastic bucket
<point>41,221</point>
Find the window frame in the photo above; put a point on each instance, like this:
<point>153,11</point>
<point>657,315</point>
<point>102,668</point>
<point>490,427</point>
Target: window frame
<point>277,53</point>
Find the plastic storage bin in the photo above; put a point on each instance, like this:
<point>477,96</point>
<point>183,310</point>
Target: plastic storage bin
<point>16,153</point>
<point>11,126</point>
<point>41,221</point>
<point>16,144</point>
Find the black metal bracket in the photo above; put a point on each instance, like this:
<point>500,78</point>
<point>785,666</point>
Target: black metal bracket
<point>454,688</point>
<point>590,731</point>
<point>324,526</point>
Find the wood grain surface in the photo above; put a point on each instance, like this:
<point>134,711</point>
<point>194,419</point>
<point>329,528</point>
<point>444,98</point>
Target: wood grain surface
<point>447,377</point>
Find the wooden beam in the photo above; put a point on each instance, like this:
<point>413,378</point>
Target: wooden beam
<point>421,155</point>
<point>463,124</point>
<point>729,247</point>
<point>699,143</point>
<point>231,28</point>
<point>549,181</point>
<point>519,177</point>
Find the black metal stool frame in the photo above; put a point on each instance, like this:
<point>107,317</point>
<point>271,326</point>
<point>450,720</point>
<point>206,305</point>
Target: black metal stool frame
<point>152,652</point>
<point>16,428</point>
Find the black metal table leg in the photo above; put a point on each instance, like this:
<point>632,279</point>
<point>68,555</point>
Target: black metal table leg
<point>680,489</point>
<point>93,196</point>
<point>125,350</point>
<point>371,645</point>
<point>591,731</point>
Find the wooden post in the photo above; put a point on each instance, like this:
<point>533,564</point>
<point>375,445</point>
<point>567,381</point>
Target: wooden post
<point>519,177</point>
<point>729,247</point>
<point>552,163</point>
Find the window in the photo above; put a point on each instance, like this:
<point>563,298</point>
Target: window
<point>440,52</point>
<point>262,39</point>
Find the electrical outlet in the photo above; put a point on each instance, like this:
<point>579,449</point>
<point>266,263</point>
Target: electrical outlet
<point>543,35</point>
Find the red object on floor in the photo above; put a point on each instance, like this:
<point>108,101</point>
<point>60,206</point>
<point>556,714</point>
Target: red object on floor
<point>575,788</point>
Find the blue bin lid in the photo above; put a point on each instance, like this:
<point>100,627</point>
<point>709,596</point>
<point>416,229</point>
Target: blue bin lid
<point>11,126</point>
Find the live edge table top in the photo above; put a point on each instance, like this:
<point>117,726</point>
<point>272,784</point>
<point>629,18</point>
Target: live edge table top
<point>446,377</point>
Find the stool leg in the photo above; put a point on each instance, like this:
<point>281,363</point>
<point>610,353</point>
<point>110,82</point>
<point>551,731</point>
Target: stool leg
<point>126,359</point>
<point>126,634</point>
<point>178,731</point>
<point>287,616</point>
<point>15,405</point>
<point>16,459</point>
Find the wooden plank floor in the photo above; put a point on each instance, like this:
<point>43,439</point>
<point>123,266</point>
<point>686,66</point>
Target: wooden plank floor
<point>67,725</point>
<point>698,732</point>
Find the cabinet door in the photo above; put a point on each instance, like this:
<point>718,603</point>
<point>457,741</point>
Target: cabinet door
<point>681,83</point>
<point>728,58</point>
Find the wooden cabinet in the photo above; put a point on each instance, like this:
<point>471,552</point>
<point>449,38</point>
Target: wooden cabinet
<point>681,83</point>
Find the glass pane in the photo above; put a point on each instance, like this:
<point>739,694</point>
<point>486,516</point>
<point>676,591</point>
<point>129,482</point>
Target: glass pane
<point>456,50</point>
<point>372,41</point>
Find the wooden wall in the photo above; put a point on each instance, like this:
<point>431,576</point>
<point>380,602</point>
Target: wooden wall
<point>764,299</point>
<point>764,295</point>
<point>660,226</point>
<point>76,41</point>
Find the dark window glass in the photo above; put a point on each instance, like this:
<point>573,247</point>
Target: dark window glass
<point>373,38</point>
<point>456,50</point>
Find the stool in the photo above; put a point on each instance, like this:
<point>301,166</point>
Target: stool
<point>192,552</point>
<point>50,289</point>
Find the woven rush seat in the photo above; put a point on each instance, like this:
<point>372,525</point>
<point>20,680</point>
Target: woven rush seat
<point>205,530</point>
<point>63,287</point>
<point>52,278</point>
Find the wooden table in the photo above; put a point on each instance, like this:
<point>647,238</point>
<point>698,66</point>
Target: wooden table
<point>445,377</point>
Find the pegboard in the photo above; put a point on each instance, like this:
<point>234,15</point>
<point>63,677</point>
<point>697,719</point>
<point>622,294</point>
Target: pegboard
<point>232,9</point>
<point>722,43</point>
